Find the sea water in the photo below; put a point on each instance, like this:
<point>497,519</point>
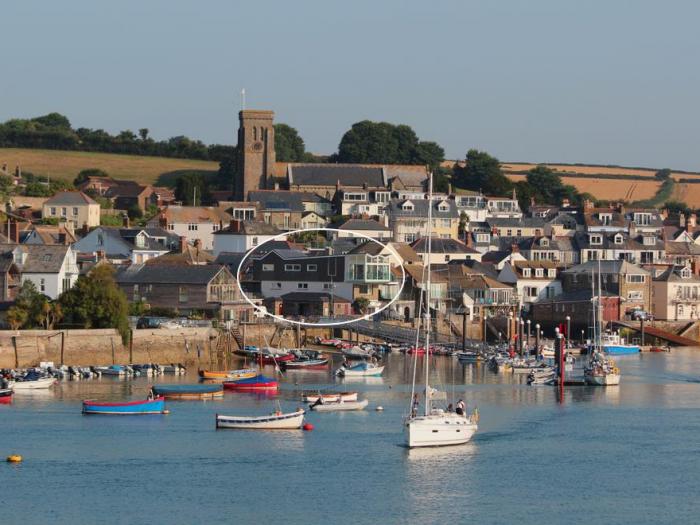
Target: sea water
<point>626,454</point>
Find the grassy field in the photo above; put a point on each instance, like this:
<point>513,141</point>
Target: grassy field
<point>512,167</point>
<point>66,165</point>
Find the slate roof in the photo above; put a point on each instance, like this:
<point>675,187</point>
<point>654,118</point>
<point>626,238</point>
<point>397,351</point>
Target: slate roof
<point>628,243</point>
<point>125,189</point>
<point>312,297</point>
<point>155,274</point>
<point>192,214</point>
<point>673,274</point>
<point>69,198</point>
<point>439,245</point>
<point>331,174</point>
<point>41,258</point>
<point>251,228</point>
<point>606,267</point>
<point>363,225</point>
<point>574,297</point>
<point>420,209</point>
<point>525,222</point>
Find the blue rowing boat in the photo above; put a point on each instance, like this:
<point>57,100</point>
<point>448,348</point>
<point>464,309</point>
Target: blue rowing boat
<point>196,391</point>
<point>130,408</point>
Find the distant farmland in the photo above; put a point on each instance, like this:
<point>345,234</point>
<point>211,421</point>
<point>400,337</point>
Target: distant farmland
<point>66,164</point>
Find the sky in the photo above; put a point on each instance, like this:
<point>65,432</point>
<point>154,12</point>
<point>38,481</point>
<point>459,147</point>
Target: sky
<point>607,82</point>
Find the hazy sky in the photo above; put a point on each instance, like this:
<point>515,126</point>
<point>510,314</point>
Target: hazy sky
<point>576,81</point>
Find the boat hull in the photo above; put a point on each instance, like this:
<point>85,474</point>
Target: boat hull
<point>187,392</point>
<point>439,431</point>
<point>309,364</point>
<point>38,384</point>
<point>621,349</point>
<point>133,408</point>
<point>230,375</point>
<point>253,384</point>
<point>5,396</point>
<point>340,406</point>
<point>331,398</point>
<point>291,421</point>
<point>368,372</point>
<point>608,379</point>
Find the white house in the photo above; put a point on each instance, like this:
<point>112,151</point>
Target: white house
<point>192,222</point>
<point>241,236</point>
<point>51,267</point>
<point>534,280</point>
<point>366,227</point>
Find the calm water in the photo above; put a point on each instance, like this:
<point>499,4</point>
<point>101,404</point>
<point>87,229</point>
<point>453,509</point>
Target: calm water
<point>627,454</point>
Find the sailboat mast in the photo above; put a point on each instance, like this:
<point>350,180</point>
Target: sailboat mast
<point>594,308</point>
<point>427,293</point>
<point>600,309</point>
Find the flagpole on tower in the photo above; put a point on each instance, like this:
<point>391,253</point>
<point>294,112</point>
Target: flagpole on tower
<point>243,99</point>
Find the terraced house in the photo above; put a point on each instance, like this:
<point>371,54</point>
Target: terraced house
<point>408,219</point>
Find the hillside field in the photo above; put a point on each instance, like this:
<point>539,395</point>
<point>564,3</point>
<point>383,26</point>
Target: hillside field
<point>66,165</point>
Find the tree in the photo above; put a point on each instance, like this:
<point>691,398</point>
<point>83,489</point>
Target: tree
<point>51,314</point>
<point>289,146</point>
<point>663,174</point>
<point>546,184</point>
<point>384,143</point>
<point>97,302</point>
<point>90,172</point>
<point>482,172</point>
<point>28,311</point>
<point>143,133</point>
<point>16,317</point>
<point>193,185</point>
<point>134,212</point>
<point>53,120</point>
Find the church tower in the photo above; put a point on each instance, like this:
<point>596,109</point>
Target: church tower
<point>256,151</point>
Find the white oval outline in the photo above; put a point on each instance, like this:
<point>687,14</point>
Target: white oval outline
<point>312,325</point>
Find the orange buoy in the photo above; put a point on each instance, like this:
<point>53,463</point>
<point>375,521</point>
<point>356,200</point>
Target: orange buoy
<point>308,427</point>
<point>14,458</point>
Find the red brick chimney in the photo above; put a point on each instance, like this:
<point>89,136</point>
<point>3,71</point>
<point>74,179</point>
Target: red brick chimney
<point>692,222</point>
<point>469,241</point>
<point>183,244</point>
<point>163,221</point>
<point>198,244</point>
<point>235,226</point>
<point>514,248</point>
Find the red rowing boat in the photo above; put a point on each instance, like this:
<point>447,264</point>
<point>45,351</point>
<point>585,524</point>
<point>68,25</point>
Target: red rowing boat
<point>5,396</point>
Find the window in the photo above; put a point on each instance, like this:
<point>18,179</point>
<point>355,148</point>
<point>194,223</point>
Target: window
<point>407,206</point>
<point>135,294</point>
<point>192,227</point>
<point>518,233</point>
<point>64,212</point>
<point>244,214</point>
<point>46,257</point>
<point>292,267</point>
<point>75,211</point>
<point>255,241</point>
<point>182,296</point>
<point>444,207</point>
<point>635,278</point>
<point>327,286</point>
<point>445,223</point>
<point>685,273</point>
<point>276,286</point>
<point>646,257</point>
<point>649,240</point>
<point>311,267</point>
<point>171,227</point>
<point>410,237</point>
<point>596,239</point>
<point>363,289</point>
<point>482,237</point>
<point>382,196</point>
<point>680,309</point>
<point>355,196</point>
<point>65,284</point>
<point>42,285</point>
<point>642,219</point>
<point>618,239</point>
<point>302,286</point>
<point>539,272</point>
<point>551,272</point>
<point>52,211</point>
<point>527,272</point>
<point>634,295</point>
<point>268,267</point>
<point>531,291</point>
<point>605,218</point>
<point>214,227</point>
<point>509,233</point>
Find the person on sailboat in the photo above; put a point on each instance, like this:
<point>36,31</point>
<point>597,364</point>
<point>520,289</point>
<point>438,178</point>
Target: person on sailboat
<point>416,402</point>
<point>461,408</point>
<point>450,408</point>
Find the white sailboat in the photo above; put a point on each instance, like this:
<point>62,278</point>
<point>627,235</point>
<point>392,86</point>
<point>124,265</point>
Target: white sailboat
<point>435,427</point>
<point>601,370</point>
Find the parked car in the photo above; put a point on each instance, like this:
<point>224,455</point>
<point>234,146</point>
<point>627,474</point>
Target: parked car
<point>148,322</point>
<point>638,314</point>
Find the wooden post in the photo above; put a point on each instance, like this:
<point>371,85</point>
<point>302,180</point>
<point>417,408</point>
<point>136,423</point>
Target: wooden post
<point>464,331</point>
<point>111,340</point>
<point>131,346</point>
<point>63,340</point>
<point>14,345</point>
<point>641,322</point>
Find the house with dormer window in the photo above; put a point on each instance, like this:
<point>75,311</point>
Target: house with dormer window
<point>676,294</point>
<point>533,280</point>
<point>408,219</point>
<point>643,248</point>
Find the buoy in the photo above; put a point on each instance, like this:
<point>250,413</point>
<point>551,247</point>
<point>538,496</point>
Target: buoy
<point>14,458</point>
<point>379,408</point>
<point>308,427</point>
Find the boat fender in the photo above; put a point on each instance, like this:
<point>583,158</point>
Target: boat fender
<point>308,427</point>
<point>379,408</point>
<point>14,458</point>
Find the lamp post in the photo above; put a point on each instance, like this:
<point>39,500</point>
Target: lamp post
<point>568,331</point>
<point>510,324</point>
<point>499,337</point>
<point>528,334</point>
<point>583,336</point>
<point>521,332</point>
<point>537,339</point>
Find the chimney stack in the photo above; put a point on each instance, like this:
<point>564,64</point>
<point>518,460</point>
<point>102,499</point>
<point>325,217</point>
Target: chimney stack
<point>681,220</point>
<point>183,244</point>
<point>692,221</point>
<point>125,220</point>
<point>514,248</point>
<point>163,220</point>
<point>235,226</point>
<point>588,204</point>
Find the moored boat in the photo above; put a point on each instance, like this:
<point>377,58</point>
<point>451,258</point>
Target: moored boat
<point>360,370</point>
<point>613,345</point>
<point>5,396</point>
<point>234,375</point>
<point>38,383</point>
<point>129,408</point>
<point>338,406</point>
<point>330,397</point>
<point>257,383</point>
<point>275,421</point>
<point>185,392</point>
<point>305,364</point>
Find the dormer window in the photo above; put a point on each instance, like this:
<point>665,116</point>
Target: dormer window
<point>685,273</point>
<point>539,272</point>
<point>443,207</point>
<point>605,218</point>
<point>618,239</point>
<point>642,219</point>
<point>526,272</point>
<point>596,239</point>
<point>649,240</point>
<point>551,272</point>
<point>407,206</point>
<point>544,241</point>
